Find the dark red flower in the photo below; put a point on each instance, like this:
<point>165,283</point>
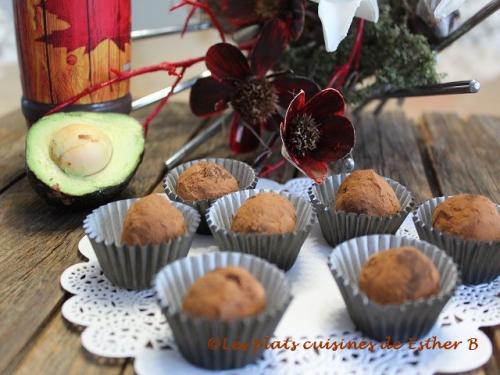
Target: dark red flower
<point>242,13</point>
<point>257,100</point>
<point>280,21</point>
<point>316,132</point>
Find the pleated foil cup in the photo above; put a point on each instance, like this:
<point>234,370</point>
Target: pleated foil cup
<point>412,319</point>
<point>192,334</point>
<point>478,261</point>
<point>244,174</point>
<point>280,249</point>
<point>133,267</point>
<point>339,226</point>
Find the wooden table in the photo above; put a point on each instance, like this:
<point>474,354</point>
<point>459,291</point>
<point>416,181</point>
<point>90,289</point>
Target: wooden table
<point>443,154</point>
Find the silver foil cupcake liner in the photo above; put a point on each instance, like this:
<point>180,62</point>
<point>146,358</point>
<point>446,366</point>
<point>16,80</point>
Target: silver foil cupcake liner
<point>478,261</point>
<point>280,249</point>
<point>133,267</point>
<point>193,334</point>
<point>412,319</point>
<point>339,226</point>
<point>244,174</point>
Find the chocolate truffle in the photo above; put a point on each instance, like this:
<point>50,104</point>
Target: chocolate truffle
<point>397,275</point>
<point>205,180</point>
<point>152,220</point>
<point>265,213</point>
<point>225,293</point>
<point>365,192</point>
<point>472,217</point>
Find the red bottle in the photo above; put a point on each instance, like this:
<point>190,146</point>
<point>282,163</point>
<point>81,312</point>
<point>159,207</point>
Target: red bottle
<point>65,46</point>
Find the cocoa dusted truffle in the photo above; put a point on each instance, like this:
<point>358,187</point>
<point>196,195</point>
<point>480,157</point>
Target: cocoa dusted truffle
<point>225,293</point>
<point>397,275</point>
<point>205,180</point>
<point>265,213</point>
<point>472,217</point>
<point>365,192</point>
<point>152,220</point>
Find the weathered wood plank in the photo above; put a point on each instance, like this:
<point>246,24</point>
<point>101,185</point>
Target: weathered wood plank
<point>39,242</point>
<point>57,350</point>
<point>389,145</point>
<point>217,146</point>
<point>496,342</point>
<point>465,155</point>
<point>163,140</point>
<point>12,131</point>
<point>128,369</point>
<point>156,153</point>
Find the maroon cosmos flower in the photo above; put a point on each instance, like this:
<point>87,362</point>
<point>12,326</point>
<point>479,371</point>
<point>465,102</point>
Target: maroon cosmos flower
<point>316,132</point>
<point>242,13</point>
<point>257,100</point>
<point>280,21</point>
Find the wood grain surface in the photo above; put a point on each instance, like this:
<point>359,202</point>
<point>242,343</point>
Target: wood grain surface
<point>12,132</point>
<point>442,154</point>
<point>465,154</point>
<point>389,145</point>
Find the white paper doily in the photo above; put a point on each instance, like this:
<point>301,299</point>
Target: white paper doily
<point>121,323</point>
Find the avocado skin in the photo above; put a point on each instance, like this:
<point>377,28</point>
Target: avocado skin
<point>91,200</point>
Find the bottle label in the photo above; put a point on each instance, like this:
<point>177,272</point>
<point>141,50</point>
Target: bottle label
<point>66,46</point>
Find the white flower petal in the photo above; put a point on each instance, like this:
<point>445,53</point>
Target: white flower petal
<point>446,7</point>
<point>368,10</point>
<point>337,15</point>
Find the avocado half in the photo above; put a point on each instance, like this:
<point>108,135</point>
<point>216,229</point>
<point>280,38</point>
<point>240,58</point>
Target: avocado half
<point>83,159</point>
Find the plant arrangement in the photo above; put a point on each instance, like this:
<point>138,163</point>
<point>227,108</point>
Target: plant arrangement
<point>291,65</point>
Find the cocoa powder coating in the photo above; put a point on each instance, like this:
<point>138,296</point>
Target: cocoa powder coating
<point>205,180</point>
<point>397,275</point>
<point>472,217</point>
<point>225,293</point>
<point>365,192</point>
<point>265,213</point>
<point>152,220</point>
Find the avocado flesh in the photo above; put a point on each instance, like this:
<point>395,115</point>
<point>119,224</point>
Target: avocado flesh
<point>127,140</point>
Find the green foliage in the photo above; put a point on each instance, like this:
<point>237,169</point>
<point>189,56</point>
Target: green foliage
<point>391,54</point>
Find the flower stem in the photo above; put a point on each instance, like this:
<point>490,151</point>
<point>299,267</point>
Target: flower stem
<point>186,22</point>
<point>262,158</point>
<point>170,67</point>
<point>268,169</point>
<point>256,135</point>
<point>340,74</point>
<point>162,103</point>
<point>198,4</point>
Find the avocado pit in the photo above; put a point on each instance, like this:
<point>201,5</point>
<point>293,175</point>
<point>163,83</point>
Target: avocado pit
<point>80,150</point>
